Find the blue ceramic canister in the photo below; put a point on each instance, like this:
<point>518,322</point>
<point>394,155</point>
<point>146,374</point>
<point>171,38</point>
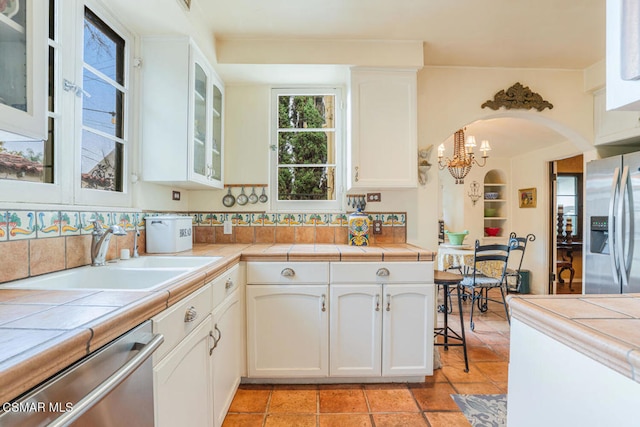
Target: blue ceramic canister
<point>359,224</point>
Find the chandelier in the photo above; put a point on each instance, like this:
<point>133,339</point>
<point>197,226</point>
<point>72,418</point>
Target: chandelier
<point>463,156</point>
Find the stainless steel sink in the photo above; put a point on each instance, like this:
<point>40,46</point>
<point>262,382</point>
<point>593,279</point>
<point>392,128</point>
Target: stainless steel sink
<point>139,274</point>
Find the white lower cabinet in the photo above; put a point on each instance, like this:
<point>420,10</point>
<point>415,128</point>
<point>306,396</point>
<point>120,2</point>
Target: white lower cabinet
<point>226,354</point>
<point>287,330</point>
<point>197,370</point>
<point>407,330</point>
<point>182,382</point>
<point>372,320</point>
<point>356,330</point>
<point>382,318</point>
<point>381,330</point>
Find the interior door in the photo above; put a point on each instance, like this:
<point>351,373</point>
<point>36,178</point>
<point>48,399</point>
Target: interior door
<point>553,227</point>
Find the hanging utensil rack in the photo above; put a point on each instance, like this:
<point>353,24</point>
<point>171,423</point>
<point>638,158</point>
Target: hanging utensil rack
<point>357,201</point>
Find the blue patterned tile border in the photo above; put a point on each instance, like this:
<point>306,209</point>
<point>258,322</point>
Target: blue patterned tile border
<point>70,223</point>
<point>4,226</point>
<point>291,219</point>
<point>21,225</point>
<point>31,224</point>
<point>48,224</point>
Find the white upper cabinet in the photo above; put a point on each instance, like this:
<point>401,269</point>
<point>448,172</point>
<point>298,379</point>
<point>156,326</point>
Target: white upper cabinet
<point>623,55</point>
<point>23,70</point>
<point>613,126</point>
<point>383,146</point>
<point>182,115</point>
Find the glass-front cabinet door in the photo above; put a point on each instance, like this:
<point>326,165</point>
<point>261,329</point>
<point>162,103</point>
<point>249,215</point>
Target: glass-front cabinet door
<point>23,71</point>
<point>200,125</point>
<point>216,141</point>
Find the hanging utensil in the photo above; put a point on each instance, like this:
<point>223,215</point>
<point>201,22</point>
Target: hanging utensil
<point>253,197</point>
<point>263,197</point>
<point>242,198</point>
<point>228,200</point>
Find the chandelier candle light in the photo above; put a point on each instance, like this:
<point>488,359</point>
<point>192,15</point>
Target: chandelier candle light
<point>463,156</point>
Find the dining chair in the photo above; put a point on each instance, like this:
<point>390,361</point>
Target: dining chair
<point>515,261</point>
<point>478,284</point>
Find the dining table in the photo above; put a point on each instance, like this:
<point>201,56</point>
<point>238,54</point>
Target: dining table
<point>460,257</point>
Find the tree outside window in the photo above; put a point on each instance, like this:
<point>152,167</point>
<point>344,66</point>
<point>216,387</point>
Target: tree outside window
<point>307,144</point>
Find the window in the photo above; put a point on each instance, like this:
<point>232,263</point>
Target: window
<point>85,157</point>
<point>102,145</point>
<point>306,149</point>
<point>569,188</point>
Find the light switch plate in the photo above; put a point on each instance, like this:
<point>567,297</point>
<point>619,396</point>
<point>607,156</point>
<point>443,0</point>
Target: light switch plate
<point>175,195</point>
<point>227,227</point>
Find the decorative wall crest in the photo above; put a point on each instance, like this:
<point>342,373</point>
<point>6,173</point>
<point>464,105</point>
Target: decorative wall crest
<point>517,96</point>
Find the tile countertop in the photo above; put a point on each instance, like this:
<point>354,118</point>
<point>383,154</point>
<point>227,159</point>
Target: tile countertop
<point>605,328</point>
<point>42,332</point>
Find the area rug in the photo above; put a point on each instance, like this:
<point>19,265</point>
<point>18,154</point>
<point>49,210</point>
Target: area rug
<point>483,410</point>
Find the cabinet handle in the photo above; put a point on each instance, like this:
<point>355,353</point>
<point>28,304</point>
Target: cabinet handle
<point>377,302</point>
<point>215,340</point>
<point>190,315</point>
<point>388,302</point>
<point>357,174</point>
<point>324,302</point>
<point>288,272</point>
<point>229,284</point>
<point>382,272</point>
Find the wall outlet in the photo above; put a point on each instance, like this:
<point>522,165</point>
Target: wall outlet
<point>374,197</point>
<point>228,227</point>
<point>377,226</point>
<point>175,195</point>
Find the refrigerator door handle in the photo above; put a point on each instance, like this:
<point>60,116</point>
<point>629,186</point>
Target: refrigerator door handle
<point>625,266</point>
<point>613,202</point>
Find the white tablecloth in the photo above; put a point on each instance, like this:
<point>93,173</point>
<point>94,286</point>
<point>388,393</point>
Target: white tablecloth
<point>449,257</point>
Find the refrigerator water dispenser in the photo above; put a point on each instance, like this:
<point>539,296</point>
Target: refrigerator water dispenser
<point>599,228</point>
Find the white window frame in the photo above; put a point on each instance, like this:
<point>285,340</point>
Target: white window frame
<point>66,188</point>
<point>339,120</point>
<point>92,196</point>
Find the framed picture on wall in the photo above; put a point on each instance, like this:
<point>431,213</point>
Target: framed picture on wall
<point>527,197</point>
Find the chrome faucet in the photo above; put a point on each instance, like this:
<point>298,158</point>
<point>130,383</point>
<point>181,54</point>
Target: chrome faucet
<point>100,241</point>
<point>136,234</point>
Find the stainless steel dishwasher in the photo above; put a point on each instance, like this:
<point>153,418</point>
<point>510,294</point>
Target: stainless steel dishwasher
<point>111,387</point>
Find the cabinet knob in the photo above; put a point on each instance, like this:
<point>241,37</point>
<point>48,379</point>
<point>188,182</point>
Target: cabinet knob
<point>288,272</point>
<point>190,315</point>
<point>382,272</point>
<point>229,284</point>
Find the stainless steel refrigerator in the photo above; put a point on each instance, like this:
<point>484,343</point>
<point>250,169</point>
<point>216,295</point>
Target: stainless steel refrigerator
<point>612,238</point>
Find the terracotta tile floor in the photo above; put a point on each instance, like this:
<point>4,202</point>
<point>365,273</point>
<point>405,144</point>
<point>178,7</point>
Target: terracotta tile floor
<point>387,405</point>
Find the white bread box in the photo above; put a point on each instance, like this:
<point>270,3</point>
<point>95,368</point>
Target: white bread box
<point>168,233</point>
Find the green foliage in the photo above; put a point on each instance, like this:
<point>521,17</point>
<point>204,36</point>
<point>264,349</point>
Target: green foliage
<point>302,148</point>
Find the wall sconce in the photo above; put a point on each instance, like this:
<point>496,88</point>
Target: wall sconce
<point>474,192</point>
<point>423,163</point>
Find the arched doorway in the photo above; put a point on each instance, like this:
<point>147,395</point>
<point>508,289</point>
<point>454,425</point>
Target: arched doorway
<point>523,144</point>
